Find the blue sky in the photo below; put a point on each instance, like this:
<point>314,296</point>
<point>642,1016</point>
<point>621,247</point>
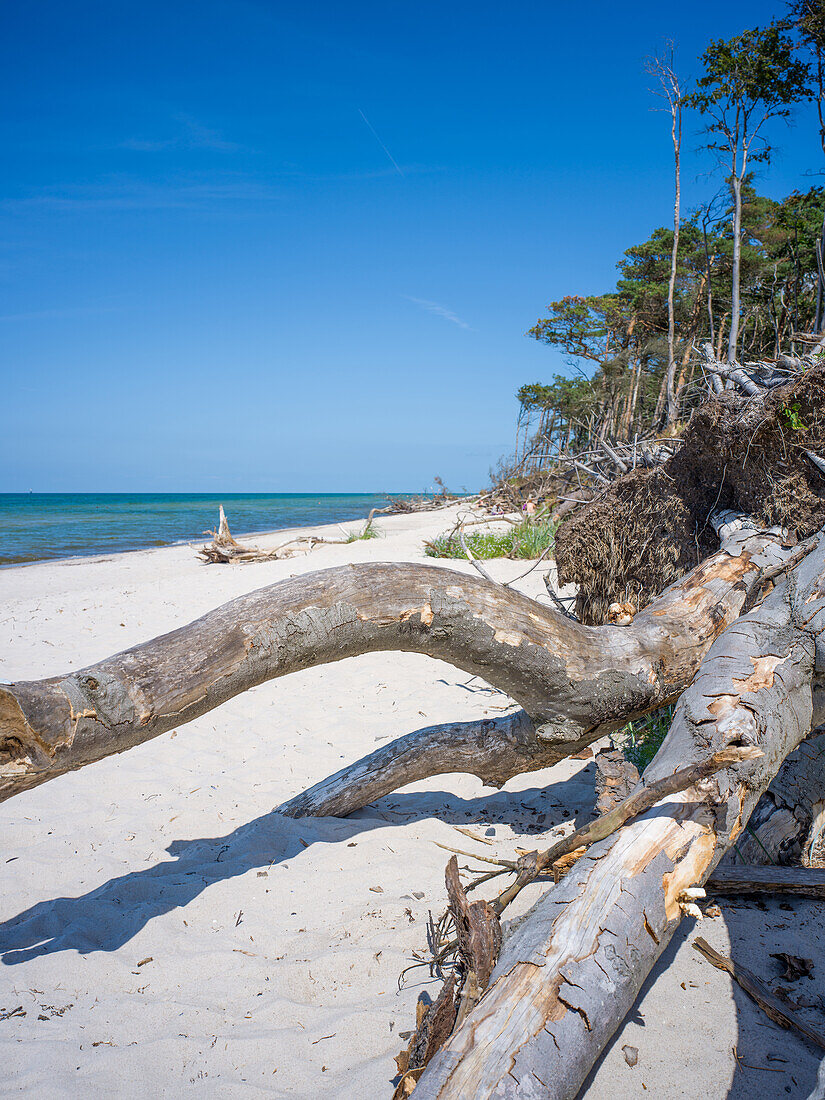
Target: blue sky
<point>257,246</point>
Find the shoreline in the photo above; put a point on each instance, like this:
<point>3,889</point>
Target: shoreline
<point>266,533</point>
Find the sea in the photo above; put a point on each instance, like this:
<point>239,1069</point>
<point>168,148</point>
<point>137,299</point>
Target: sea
<point>46,526</point>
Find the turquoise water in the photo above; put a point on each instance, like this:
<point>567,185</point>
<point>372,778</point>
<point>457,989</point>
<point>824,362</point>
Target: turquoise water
<point>43,526</point>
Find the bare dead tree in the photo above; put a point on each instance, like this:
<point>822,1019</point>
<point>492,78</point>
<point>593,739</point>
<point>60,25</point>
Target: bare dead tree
<point>671,90</point>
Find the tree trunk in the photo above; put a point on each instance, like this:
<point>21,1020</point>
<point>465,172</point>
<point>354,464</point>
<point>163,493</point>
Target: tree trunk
<point>574,682</point>
<point>676,133</point>
<point>733,335</point>
<point>576,962</point>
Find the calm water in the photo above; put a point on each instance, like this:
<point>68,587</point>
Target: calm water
<point>39,526</point>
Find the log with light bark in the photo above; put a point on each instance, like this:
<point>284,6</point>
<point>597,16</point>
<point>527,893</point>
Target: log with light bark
<point>575,965</point>
<point>576,962</point>
<point>573,682</point>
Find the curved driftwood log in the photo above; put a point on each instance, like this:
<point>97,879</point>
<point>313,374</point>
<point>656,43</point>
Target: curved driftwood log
<point>575,964</point>
<point>574,682</point>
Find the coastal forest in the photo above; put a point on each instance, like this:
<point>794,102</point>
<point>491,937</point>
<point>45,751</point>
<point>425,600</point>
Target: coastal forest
<point>741,271</point>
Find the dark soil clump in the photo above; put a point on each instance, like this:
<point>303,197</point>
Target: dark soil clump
<point>652,526</point>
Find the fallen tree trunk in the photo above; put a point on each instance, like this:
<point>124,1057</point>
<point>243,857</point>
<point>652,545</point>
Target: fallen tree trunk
<point>758,879</point>
<point>576,962</point>
<point>574,682</point>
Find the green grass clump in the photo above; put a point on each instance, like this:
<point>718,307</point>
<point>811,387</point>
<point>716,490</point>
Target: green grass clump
<point>370,531</point>
<point>528,540</point>
<point>641,740</point>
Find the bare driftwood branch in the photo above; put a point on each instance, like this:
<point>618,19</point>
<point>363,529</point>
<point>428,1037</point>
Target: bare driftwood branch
<point>733,372</point>
<point>760,879</point>
<point>494,749</point>
<point>574,682</point>
<point>475,564</point>
<point>555,599</point>
<point>224,548</point>
<point>533,864</point>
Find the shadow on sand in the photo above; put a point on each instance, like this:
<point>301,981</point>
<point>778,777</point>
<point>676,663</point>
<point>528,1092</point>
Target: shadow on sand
<point>107,917</point>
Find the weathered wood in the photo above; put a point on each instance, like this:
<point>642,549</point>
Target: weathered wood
<point>576,962</point>
<point>493,749</point>
<point>433,1026</point>
<point>781,1012</point>
<point>787,823</point>
<point>730,371</point>
<point>478,933</point>
<point>575,682</point>
<point>616,777</point>
<point>646,794</point>
<point>759,878</point>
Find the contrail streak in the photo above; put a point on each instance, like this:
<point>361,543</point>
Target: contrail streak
<point>381,143</point>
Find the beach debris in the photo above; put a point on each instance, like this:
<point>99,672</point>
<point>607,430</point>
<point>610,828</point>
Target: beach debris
<point>774,1007</point>
<point>631,1055</point>
<point>765,879</point>
<point>795,967</point>
<point>687,902</point>
<point>434,1023</point>
<point>616,776</point>
<point>620,614</point>
<point>225,549</point>
<point>746,685</point>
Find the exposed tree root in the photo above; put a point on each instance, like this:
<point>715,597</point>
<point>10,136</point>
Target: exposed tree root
<point>650,527</point>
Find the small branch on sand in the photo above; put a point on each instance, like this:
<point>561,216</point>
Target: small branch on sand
<point>782,1012</point>
<point>556,599</point>
<point>479,568</point>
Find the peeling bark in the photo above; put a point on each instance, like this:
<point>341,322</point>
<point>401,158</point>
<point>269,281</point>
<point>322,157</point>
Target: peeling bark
<point>576,962</point>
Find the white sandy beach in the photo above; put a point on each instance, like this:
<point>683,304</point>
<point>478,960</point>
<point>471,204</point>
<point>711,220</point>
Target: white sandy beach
<point>163,932</point>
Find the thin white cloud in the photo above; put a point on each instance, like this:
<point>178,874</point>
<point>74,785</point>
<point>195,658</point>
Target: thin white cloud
<point>125,193</point>
<point>439,311</point>
<point>58,314</point>
<point>192,135</point>
<point>381,143</point>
